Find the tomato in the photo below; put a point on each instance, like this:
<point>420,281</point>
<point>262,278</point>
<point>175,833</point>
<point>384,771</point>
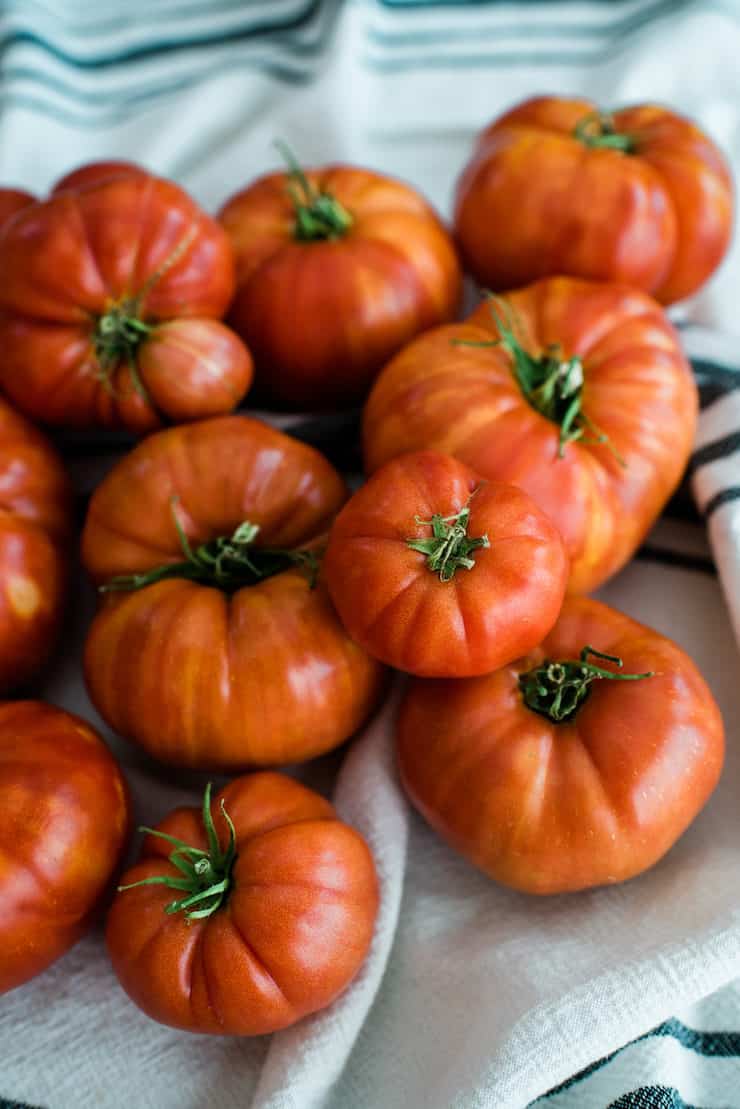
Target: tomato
<point>336,269</point>
<point>557,187</point>
<point>575,391</point>
<point>274,926</point>
<point>92,173</point>
<point>35,532</point>
<point>551,774</point>
<point>63,832</point>
<point>101,284</point>
<point>12,201</point>
<point>441,574</point>
<point>219,650</point>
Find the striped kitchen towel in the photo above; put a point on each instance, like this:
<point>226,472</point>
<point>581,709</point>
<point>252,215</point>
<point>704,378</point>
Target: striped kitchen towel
<point>474,997</point>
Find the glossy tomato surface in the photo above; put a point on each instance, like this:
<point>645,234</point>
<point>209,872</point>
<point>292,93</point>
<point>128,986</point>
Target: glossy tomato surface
<point>35,533</point>
<point>64,828</point>
<point>321,316</point>
<point>92,275</point>
<point>222,678</point>
<point>450,610</point>
<point>548,191</point>
<point>294,928</point>
<point>637,391</point>
<point>551,807</point>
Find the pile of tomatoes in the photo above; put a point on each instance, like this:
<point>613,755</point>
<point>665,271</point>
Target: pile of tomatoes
<point>250,609</point>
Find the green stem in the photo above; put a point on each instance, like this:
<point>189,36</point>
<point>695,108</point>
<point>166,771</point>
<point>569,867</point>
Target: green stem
<point>596,130</point>
<point>116,338</point>
<point>318,215</point>
<point>206,874</point>
<point>558,689</point>
<point>448,547</point>
<point>552,384</point>
<point>228,562</point>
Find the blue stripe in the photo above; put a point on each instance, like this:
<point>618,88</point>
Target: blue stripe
<point>651,1097</point>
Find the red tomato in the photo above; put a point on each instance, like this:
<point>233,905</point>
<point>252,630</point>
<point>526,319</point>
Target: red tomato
<point>441,574</point>
<point>336,269</point>
<point>286,930</point>
<point>12,201</point>
<point>35,531</point>
<point>93,278</point>
<point>63,832</point>
<point>552,775</point>
<point>94,172</point>
<point>218,650</point>
<point>557,187</point>
<point>579,394</point>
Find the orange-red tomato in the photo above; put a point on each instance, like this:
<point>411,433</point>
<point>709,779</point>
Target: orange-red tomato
<point>101,284</point>
<point>63,832</point>
<point>588,404</point>
<point>35,531</point>
<point>230,656</point>
<point>551,778</point>
<point>285,937</point>
<point>92,173</point>
<point>336,269</point>
<point>442,574</point>
<point>12,201</point>
<point>556,187</point>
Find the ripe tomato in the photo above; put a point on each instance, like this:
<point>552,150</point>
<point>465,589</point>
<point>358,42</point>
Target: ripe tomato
<point>92,173</point>
<point>218,650</point>
<point>64,828</point>
<point>441,574</point>
<point>276,903</point>
<point>557,187</point>
<point>553,775</point>
<point>336,269</point>
<point>102,284</point>
<point>12,201</point>
<point>577,392</point>
<point>35,531</point>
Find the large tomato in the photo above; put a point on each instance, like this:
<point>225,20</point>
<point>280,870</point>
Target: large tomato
<point>577,392</point>
<point>557,187</point>
<point>442,574</point>
<point>336,269</point>
<point>218,649</point>
<point>268,917</point>
<point>578,765</point>
<point>110,305</point>
<point>63,831</point>
<point>35,531</point>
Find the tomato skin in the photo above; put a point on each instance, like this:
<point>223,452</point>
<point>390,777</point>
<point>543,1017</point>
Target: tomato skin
<point>535,201</point>
<point>198,677</point>
<point>639,390</point>
<point>550,808</point>
<point>133,244</point>
<point>35,532</point>
<point>64,829</point>
<point>293,933</point>
<point>400,611</point>
<point>93,173</point>
<point>12,201</point>
<point>353,301</point>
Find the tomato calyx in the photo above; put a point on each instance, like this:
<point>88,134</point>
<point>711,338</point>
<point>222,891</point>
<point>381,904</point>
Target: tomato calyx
<point>116,338</point>
<point>596,130</point>
<point>551,384</point>
<point>318,215</point>
<point>448,547</point>
<point>557,689</point>
<point>228,562</point>
<point>206,875</point>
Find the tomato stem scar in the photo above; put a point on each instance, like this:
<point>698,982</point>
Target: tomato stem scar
<point>597,130</point>
<point>448,547</point>
<point>557,689</point>
<point>318,215</point>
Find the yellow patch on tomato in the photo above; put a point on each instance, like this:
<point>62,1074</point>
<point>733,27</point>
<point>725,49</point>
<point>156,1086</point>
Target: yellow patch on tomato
<point>24,596</point>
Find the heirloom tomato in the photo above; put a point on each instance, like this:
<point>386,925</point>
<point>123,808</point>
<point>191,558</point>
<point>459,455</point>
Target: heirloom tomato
<point>63,832</point>
<point>263,913</point>
<point>110,306</point>
<point>216,644</point>
<point>575,391</point>
<point>578,765</point>
<point>336,269</point>
<point>35,532</point>
<point>557,187</point>
<point>442,574</point>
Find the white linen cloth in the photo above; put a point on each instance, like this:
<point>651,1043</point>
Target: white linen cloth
<point>473,996</point>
